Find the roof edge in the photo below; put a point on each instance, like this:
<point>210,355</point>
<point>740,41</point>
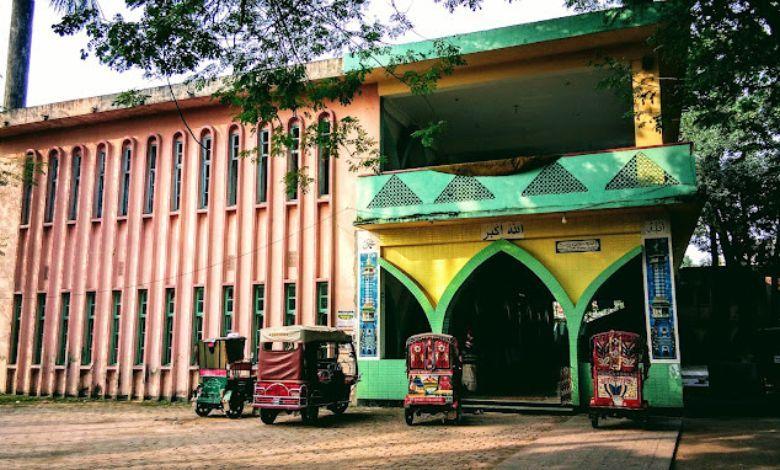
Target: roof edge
<point>525,33</point>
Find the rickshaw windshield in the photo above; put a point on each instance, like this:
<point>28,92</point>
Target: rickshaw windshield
<point>432,353</point>
<point>212,354</point>
<point>280,361</point>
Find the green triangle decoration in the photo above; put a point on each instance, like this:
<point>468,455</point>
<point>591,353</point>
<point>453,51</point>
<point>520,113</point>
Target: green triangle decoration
<point>641,172</point>
<point>394,193</point>
<point>464,188</point>
<point>554,179</point>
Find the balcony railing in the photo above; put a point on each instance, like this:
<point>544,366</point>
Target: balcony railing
<point>610,179</point>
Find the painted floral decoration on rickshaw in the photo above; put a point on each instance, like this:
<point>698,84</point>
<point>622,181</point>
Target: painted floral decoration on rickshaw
<point>629,354</point>
<point>442,355</point>
<point>417,361</point>
<point>615,352</point>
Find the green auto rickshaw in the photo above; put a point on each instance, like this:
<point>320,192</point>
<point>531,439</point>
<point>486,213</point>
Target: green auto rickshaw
<point>226,379</point>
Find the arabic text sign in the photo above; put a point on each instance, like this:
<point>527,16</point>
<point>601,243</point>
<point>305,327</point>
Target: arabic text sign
<point>505,230</point>
<point>577,246</point>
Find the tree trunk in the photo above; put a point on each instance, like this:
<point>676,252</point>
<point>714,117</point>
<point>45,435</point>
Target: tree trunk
<point>714,246</point>
<point>18,67</point>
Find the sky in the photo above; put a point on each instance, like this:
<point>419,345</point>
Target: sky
<point>57,72</point>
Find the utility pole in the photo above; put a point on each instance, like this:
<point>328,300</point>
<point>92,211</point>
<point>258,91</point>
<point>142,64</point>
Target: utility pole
<point>18,66</point>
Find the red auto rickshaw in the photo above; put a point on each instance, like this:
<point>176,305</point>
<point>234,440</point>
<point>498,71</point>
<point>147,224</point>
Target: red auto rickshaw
<point>303,368</point>
<point>619,371</point>
<point>433,367</point>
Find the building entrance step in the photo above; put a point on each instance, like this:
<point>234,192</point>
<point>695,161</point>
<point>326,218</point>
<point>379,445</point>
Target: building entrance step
<point>504,405</point>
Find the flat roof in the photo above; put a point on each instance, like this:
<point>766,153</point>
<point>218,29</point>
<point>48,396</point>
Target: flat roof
<point>525,33</point>
<point>101,108</point>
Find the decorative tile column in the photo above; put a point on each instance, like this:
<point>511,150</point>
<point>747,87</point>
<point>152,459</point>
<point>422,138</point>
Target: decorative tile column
<point>660,299</point>
<point>368,295</point>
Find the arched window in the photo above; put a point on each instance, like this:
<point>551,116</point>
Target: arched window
<point>176,171</point>
<point>205,170</point>
<point>51,185</point>
<point>124,178</point>
<point>28,173</point>
<point>323,155</point>
<point>263,150</point>
<point>151,174</point>
<point>293,159</point>
<point>75,182</point>
<point>234,142</point>
<point>100,182</point>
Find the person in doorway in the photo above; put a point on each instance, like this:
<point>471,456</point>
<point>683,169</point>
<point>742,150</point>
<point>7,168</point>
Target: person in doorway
<point>469,362</point>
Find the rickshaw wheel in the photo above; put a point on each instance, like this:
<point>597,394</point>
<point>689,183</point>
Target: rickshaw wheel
<point>235,412</point>
<point>594,421</point>
<point>338,408</point>
<point>409,416</point>
<point>458,416</point>
<point>202,410</point>
<point>268,416</point>
<point>310,414</point>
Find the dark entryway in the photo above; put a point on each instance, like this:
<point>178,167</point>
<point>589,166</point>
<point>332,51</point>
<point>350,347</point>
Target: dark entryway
<point>503,317</point>
<point>403,316</point>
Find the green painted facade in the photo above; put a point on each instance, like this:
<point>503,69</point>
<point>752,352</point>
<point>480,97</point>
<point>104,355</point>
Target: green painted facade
<point>612,179</point>
<point>385,379</point>
<point>520,35</point>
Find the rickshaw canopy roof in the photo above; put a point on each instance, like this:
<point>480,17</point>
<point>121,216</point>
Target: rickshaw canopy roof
<point>303,334</point>
<point>422,336</point>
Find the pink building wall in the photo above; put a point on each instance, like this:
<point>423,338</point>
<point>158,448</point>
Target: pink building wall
<point>273,243</point>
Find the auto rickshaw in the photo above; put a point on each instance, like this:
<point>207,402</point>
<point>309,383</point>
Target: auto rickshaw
<point>619,370</point>
<point>226,380</point>
<point>303,368</point>
<point>433,367</point>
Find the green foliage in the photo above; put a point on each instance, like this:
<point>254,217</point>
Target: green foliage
<point>257,52</point>
<point>427,135</point>
<point>740,178</point>
<point>130,99</point>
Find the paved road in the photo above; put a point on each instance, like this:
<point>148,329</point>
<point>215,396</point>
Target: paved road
<point>730,443</point>
<point>617,444</point>
<point>111,434</point>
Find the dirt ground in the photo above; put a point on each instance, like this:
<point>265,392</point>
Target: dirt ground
<point>111,434</point>
<point>76,434</point>
<point>729,442</point>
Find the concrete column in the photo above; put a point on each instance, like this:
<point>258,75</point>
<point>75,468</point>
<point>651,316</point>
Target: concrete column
<point>130,280</point>
<point>79,265</point>
<point>55,279</point>
<point>184,284</point>
<point>647,102</point>
<point>246,234</point>
<point>160,228</point>
<point>104,295</point>
<point>216,245</point>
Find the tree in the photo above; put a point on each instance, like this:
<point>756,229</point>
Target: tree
<point>18,65</point>
<point>257,51</point>
<point>20,38</point>
<point>721,68</point>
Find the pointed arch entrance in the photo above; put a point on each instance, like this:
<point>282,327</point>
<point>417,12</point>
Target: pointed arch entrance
<point>406,310</point>
<point>502,309</point>
<point>614,301</point>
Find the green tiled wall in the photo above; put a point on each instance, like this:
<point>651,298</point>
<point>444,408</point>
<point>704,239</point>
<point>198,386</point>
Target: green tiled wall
<point>384,379</point>
<point>663,388</point>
